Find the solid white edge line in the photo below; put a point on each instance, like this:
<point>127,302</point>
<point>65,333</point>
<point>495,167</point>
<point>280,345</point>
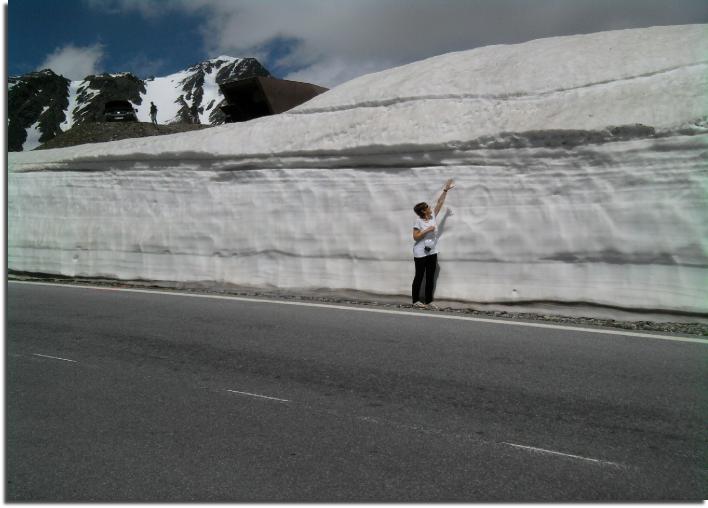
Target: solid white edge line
<point>569,455</point>
<point>55,358</point>
<point>601,331</point>
<point>259,396</point>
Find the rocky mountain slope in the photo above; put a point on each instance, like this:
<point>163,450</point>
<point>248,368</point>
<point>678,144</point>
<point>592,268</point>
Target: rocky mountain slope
<point>98,132</point>
<point>94,91</point>
<point>200,98</point>
<point>42,105</point>
<point>37,105</point>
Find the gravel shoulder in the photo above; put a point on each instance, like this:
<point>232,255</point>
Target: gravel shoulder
<point>548,312</point>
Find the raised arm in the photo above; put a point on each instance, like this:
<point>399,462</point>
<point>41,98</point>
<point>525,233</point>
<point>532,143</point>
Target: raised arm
<point>448,185</point>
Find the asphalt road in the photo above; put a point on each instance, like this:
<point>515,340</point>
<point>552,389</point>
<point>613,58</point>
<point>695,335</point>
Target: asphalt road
<point>134,396</point>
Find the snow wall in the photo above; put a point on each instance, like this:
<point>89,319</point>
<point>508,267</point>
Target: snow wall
<point>581,169</point>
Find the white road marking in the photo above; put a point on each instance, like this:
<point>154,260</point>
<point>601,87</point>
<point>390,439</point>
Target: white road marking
<point>258,396</point>
<point>469,438</point>
<point>55,358</point>
<point>569,455</point>
<point>414,314</point>
<point>369,419</point>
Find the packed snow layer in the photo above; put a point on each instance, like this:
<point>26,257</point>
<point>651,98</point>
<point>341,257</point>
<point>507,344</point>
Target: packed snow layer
<point>580,165</point>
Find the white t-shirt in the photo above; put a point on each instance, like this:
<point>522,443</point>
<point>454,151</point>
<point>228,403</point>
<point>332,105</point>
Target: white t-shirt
<point>429,240</point>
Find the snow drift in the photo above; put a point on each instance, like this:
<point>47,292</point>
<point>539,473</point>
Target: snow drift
<point>580,165</point>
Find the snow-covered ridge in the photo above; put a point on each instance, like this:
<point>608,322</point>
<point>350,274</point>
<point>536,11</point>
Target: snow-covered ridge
<point>701,67</point>
<point>536,67</point>
<point>580,165</point>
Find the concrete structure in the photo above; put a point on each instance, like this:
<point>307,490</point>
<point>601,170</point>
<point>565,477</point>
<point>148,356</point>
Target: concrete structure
<point>262,96</point>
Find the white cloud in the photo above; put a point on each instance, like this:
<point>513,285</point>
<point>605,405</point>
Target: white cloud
<point>143,66</point>
<point>337,38</point>
<point>74,62</point>
<point>330,72</point>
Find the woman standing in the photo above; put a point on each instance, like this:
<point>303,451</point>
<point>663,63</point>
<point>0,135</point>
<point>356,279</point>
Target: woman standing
<point>425,249</point>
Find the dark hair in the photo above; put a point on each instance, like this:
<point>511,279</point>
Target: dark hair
<point>418,209</point>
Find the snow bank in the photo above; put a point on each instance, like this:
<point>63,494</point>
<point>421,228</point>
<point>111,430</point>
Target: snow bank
<point>580,165</point>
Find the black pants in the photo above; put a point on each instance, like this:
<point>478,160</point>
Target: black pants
<point>425,265</point>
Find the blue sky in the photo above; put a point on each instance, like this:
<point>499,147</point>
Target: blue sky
<point>321,41</point>
<point>128,40</point>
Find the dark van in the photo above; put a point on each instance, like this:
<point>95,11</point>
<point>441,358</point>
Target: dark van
<point>119,111</point>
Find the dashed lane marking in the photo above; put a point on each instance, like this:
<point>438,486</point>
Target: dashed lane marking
<point>600,331</point>
<point>410,427</point>
<point>413,427</point>
<point>568,455</point>
<point>55,358</point>
<point>258,396</point>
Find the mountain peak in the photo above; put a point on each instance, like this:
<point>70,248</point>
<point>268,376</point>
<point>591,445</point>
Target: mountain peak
<point>224,58</point>
<point>215,63</point>
<point>35,74</point>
